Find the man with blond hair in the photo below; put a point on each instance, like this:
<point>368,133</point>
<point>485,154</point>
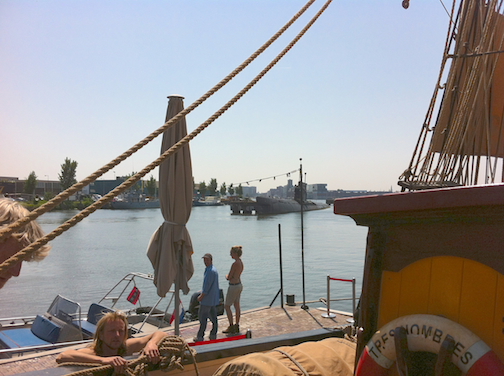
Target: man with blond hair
<point>11,211</point>
<point>111,343</point>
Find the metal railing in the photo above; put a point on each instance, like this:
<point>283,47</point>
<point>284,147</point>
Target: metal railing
<point>328,303</point>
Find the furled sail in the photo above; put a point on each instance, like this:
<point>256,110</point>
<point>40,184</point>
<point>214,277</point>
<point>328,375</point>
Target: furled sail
<point>467,141</point>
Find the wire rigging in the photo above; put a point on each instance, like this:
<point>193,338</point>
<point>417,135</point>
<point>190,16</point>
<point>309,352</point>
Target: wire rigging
<point>287,174</point>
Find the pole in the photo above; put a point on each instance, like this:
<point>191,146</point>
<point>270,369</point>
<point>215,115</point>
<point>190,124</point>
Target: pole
<point>180,262</point>
<point>328,314</point>
<point>353,301</point>
<point>281,268</point>
<point>304,306</point>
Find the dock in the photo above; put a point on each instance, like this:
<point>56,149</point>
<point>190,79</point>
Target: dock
<point>262,322</point>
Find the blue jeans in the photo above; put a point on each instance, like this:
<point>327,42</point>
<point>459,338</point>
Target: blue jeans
<point>207,312</point>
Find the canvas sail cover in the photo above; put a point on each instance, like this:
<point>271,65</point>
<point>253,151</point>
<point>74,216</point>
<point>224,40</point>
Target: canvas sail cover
<point>331,356</point>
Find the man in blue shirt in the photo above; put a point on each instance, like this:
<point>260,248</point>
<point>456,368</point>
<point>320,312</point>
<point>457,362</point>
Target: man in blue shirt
<point>209,299</point>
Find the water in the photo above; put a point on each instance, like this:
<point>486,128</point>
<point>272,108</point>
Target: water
<point>86,261</point>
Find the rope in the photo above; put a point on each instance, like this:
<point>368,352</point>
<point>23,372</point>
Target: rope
<point>21,255</point>
<point>172,349</point>
<point>299,366</point>
<point>4,233</point>
<point>8,230</point>
<point>457,153</point>
<point>411,170</point>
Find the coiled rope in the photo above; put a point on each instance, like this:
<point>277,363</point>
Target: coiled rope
<point>172,349</point>
<point>21,255</point>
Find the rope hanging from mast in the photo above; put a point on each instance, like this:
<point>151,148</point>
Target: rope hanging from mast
<point>7,231</point>
<point>467,142</point>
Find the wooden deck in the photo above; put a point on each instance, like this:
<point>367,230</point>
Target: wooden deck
<point>262,322</point>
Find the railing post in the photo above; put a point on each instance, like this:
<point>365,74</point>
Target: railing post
<point>328,314</point>
<point>353,301</point>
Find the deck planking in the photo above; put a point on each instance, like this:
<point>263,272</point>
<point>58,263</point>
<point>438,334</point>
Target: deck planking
<point>262,322</point>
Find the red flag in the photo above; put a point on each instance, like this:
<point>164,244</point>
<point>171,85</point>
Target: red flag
<point>133,295</point>
<point>181,314</point>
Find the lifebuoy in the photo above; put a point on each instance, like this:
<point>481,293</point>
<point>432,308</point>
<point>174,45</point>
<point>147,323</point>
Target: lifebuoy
<point>426,333</point>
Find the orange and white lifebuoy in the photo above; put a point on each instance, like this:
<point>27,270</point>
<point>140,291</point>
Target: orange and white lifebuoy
<point>426,333</point>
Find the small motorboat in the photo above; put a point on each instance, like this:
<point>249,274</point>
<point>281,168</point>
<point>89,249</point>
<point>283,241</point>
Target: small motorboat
<point>64,323</point>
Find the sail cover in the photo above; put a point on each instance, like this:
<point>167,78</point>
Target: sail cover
<point>331,356</point>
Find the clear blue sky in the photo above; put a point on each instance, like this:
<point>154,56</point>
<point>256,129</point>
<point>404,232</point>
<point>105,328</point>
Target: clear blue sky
<point>88,79</point>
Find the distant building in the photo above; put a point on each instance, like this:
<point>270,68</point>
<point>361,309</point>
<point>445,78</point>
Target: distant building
<point>14,186</point>
<point>102,187</point>
<point>340,193</point>
<point>317,191</point>
<point>249,191</point>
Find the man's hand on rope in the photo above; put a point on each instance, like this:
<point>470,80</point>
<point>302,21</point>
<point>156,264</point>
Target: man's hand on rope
<point>151,351</point>
<point>120,364</point>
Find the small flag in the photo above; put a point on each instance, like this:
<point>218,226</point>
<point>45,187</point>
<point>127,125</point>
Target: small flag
<point>181,314</point>
<point>133,295</point>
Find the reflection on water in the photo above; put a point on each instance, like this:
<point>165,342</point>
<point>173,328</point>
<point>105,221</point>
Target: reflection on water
<point>87,260</point>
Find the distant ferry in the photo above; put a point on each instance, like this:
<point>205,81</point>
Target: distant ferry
<point>208,201</point>
<point>134,201</point>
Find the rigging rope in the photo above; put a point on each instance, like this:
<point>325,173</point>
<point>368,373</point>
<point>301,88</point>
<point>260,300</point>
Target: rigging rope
<point>21,255</point>
<point>468,134</point>
<point>8,230</point>
<point>411,171</point>
<point>172,349</point>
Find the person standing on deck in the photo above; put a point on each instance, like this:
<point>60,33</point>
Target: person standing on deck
<point>234,290</point>
<point>209,299</point>
<point>10,212</point>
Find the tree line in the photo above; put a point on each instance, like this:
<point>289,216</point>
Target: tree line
<point>211,189</point>
<point>67,178</point>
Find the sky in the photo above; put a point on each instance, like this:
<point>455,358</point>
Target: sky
<point>86,80</point>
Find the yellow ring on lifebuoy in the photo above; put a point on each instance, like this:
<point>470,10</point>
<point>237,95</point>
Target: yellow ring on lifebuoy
<point>426,333</point>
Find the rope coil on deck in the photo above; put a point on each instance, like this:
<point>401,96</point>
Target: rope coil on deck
<point>172,350</point>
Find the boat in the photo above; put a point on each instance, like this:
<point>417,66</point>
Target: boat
<point>433,281</point>
<point>208,201</point>
<point>433,267</point>
<point>431,300</point>
<point>269,205</point>
<point>133,201</point>
<point>65,323</point>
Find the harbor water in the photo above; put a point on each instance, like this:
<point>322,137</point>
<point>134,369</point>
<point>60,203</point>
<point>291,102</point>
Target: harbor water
<point>87,260</point>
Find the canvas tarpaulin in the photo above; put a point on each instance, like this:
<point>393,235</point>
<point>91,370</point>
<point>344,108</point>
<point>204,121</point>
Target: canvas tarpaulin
<point>331,356</point>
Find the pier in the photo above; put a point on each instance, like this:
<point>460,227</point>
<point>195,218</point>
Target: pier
<point>262,322</point>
